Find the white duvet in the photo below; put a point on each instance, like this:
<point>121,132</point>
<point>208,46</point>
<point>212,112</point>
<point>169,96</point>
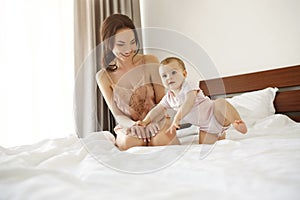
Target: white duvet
<point>263,164</point>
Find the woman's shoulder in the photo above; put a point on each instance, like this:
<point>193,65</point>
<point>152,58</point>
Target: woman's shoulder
<point>147,58</point>
<point>101,74</point>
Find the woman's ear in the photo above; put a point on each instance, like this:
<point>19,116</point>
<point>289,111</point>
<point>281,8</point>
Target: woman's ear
<point>184,73</point>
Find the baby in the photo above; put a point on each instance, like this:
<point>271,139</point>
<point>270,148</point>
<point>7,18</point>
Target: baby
<point>212,117</point>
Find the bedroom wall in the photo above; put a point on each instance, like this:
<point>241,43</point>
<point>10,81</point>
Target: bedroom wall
<point>238,35</point>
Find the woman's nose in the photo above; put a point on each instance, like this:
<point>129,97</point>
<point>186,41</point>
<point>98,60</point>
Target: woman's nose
<point>128,48</point>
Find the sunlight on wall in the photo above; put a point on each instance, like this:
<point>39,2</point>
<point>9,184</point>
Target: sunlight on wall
<point>37,78</point>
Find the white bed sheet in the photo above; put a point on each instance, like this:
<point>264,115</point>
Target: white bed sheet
<point>263,164</point>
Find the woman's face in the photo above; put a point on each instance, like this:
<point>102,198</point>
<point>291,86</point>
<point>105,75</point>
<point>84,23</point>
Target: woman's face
<point>125,44</point>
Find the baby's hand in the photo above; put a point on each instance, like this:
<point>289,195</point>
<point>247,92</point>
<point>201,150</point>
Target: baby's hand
<point>173,128</point>
<point>141,123</point>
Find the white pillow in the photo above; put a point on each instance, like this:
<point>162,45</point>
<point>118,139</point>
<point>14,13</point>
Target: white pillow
<point>255,105</point>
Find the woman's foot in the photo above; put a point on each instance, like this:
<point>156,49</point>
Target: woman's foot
<point>109,136</point>
<point>240,126</point>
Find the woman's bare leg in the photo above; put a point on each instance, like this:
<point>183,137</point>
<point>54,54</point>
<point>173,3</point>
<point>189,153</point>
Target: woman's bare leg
<point>124,142</point>
<point>226,114</point>
<point>162,139</point>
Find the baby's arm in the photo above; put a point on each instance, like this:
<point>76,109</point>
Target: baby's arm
<point>152,114</point>
<point>184,109</point>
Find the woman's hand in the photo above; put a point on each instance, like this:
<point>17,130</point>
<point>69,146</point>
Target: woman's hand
<point>137,131</point>
<point>152,129</point>
<point>142,132</point>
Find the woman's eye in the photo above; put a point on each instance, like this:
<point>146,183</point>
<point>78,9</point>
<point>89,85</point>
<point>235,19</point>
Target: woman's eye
<point>164,76</point>
<point>120,45</point>
<point>174,72</point>
<point>132,42</point>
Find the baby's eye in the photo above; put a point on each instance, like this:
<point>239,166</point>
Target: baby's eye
<point>174,72</point>
<point>164,76</point>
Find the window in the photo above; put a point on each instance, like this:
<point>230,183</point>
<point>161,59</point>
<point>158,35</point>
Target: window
<point>37,70</point>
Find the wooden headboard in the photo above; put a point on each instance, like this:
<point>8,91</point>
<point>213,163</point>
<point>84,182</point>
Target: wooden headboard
<point>286,79</point>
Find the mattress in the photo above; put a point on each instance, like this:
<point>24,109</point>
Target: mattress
<point>262,164</point>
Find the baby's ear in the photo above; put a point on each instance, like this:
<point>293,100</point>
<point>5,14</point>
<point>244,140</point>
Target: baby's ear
<point>184,73</point>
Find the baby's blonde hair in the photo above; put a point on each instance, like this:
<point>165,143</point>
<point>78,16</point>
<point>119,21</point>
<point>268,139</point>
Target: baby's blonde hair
<point>170,59</point>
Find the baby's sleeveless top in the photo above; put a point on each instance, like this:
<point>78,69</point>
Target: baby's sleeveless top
<point>138,98</point>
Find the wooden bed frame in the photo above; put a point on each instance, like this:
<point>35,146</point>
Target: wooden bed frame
<point>286,79</point>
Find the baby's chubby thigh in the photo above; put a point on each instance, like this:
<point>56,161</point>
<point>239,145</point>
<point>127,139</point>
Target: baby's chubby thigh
<point>201,114</point>
<point>210,129</point>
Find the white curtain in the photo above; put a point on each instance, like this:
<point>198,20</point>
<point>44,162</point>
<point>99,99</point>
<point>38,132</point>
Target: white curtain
<point>37,70</point>
<point>85,98</point>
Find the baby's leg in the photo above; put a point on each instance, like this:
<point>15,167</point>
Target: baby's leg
<point>240,126</point>
<point>209,138</point>
<point>226,114</point>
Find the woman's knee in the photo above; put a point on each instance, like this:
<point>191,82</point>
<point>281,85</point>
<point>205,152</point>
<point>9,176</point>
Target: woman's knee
<point>163,139</point>
<point>125,142</point>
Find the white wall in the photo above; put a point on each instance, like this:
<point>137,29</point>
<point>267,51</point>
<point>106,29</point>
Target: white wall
<point>238,35</point>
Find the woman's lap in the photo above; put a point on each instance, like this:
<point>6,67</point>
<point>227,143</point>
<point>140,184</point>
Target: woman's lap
<point>125,141</point>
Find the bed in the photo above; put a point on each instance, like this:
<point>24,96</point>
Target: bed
<point>262,164</point>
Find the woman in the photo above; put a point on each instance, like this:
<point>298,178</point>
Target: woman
<point>131,85</point>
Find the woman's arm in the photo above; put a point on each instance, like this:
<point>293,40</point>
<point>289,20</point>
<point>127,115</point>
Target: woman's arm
<point>105,87</point>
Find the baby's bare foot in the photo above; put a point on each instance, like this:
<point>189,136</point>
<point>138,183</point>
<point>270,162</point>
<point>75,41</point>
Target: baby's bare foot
<point>240,126</point>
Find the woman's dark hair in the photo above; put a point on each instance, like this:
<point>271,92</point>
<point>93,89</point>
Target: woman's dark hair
<point>109,28</point>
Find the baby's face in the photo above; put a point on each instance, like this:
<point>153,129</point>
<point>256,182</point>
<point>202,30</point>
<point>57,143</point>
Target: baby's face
<point>172,75</point>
